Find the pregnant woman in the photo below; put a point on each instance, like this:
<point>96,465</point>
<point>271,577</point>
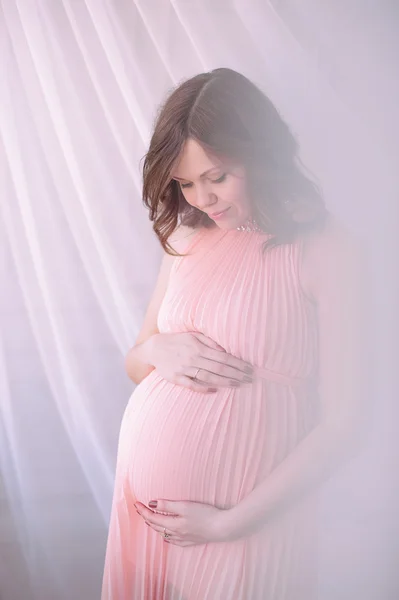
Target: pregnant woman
<point>248,363</point>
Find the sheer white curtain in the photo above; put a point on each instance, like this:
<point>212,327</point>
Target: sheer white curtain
<point>80,81</point>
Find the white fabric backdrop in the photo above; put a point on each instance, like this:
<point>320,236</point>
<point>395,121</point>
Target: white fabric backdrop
<point>80,81</point>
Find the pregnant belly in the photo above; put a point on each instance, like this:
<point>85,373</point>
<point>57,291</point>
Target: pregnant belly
<point>182,445</point>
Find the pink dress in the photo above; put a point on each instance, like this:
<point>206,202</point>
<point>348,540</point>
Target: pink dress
<point>215,448</point>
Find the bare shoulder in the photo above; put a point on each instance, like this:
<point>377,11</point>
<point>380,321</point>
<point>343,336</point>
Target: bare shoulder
<point>182,237</point>
<point>333,257</point>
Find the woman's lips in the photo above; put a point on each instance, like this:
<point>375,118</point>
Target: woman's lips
<point>219,215</point>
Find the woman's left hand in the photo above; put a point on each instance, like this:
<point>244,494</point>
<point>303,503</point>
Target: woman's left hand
<point>187,523</point>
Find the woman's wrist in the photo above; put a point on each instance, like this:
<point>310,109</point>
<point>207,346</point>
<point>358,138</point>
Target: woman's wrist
<point>237,523</point>
<point>139,360</point>
<point>231,525</point>
<point>148,348</point>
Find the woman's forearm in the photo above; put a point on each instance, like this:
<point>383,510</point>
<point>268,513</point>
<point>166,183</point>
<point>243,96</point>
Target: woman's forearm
<point>313,460</point>
<point>138,361</point>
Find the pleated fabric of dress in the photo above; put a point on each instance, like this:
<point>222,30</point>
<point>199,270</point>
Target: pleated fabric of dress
<point>216,448</point>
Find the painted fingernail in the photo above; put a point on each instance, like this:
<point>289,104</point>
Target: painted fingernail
<point>153,504</point>
<point>248,370</point>
<point>212,390</point>
<point>248,379</point>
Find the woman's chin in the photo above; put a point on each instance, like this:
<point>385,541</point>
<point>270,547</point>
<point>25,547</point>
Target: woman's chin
<point>227,224</point>
<point>225,227</point>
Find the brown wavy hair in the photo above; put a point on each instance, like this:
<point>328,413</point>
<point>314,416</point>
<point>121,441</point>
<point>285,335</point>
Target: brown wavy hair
<point>231,118</point>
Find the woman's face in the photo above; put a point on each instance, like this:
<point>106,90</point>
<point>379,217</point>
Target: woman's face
<point>218,189</point>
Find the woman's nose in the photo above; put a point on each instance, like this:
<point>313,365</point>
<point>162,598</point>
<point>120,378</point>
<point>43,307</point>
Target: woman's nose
<point>205,199</point>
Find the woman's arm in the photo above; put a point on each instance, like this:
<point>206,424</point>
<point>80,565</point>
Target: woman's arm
<point>137,361</point>
<point>334,274</point>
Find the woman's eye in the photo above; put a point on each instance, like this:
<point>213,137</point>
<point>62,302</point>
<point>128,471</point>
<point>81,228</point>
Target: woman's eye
<point>221,179</point>
<point>189,185</point>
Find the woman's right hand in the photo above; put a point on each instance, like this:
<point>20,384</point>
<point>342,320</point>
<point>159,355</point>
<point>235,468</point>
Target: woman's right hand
<point>179,357</point>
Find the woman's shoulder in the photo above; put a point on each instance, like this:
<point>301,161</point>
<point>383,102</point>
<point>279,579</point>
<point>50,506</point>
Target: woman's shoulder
<point>331,253</point>
<point>334,237</point>
<point>181,239</point>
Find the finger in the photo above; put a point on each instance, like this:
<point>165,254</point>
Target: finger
<point>172,535</point>
<point>142,510</point>
<point>146,513</point>
<point>229,360</point>
<point>172,507</point>
<point>160,521</point>
<point>209,379</point>
<point>170,538</point>
<point>207,341</point>
<point>227,365</point>
<point>195,386</point>
<point>217,374</point>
